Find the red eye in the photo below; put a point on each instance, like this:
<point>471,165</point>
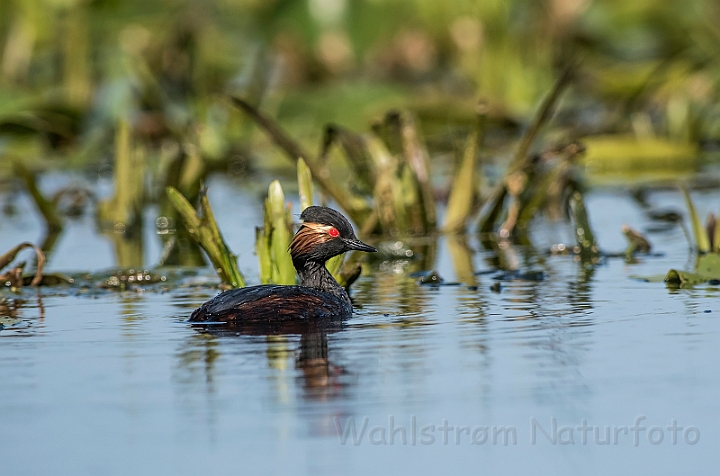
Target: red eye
<point>333,232</point>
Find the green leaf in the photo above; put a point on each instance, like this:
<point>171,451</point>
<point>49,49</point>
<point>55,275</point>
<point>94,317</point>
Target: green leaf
<point>262,250</point>
<point>707,268</point>
<point>280,235</point>
<point>626,153</point>
<point>464,189</point>
<point>205,231</point>
<point>702,241</point>
<point>305,184</point>
<point>589,251</point>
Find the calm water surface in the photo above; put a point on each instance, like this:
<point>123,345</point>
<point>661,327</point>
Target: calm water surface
<point>119,383</point>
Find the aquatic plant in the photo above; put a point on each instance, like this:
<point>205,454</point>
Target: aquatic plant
<point>123,211</point>
<point>520,174</point>
<point>587,248</point>
<point>464,199</point>
<point>356,207</point>
<point>47,209</point>
<point>399,183</point>
<point>705,237</point>
<point>272,240</point>
<point>637,243</point>
<point>203,228</point>
<point>707,245</point>
<point>707,268</point>
<point>162,70</point>
<point>13,278</point>
<point>185,171</point>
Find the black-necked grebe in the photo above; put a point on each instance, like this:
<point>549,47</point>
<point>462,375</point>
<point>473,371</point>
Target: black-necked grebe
<point>324,233</point>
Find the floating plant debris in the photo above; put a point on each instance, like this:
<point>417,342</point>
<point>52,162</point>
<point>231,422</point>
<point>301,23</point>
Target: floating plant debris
<point>636,241</point>
<point>123,280</point>
<point>52,279</point>
<point>520,276</point>
<point>13,278</point>
<point>665,215</point>
<point>431,278</point>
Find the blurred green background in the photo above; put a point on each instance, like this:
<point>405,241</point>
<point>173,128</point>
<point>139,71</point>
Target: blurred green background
<point>71,69</point>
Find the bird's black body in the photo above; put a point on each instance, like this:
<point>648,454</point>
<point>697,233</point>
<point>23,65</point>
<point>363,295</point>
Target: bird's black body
<point>272,302</point>
<point>325,233</point>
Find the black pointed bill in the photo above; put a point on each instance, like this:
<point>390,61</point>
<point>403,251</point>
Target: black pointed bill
<point>359,246</point>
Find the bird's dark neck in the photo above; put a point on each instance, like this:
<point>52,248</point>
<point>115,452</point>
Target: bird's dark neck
<point>314,274</point>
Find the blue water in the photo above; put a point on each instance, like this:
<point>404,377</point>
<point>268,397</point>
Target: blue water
<point>119,383</point>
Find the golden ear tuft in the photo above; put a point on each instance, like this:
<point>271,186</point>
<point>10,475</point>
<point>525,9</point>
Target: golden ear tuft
<point>309,235</point>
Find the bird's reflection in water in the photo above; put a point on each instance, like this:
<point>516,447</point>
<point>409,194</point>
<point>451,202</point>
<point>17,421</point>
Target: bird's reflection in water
<point>320,379</point>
